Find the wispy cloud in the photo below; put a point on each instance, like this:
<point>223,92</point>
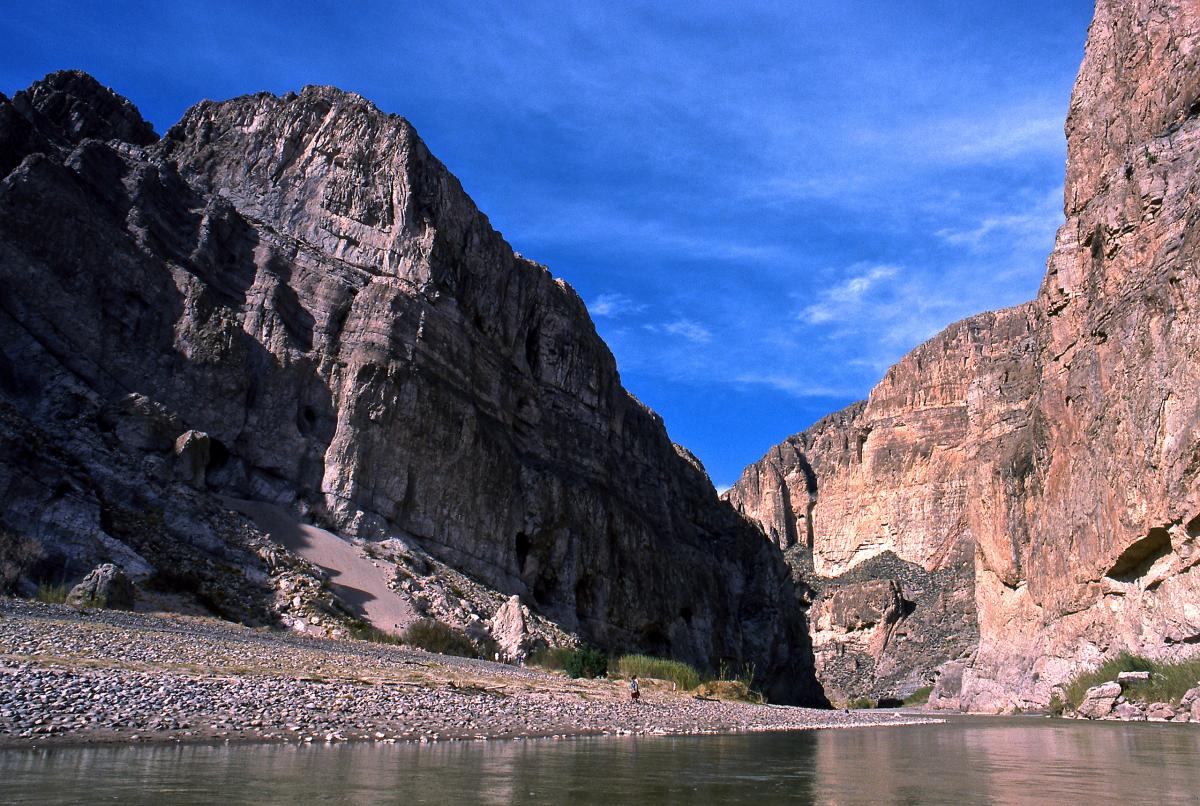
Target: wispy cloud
<point>801,385</point>
<point>844,299</point>
<point>1003,135</point>
<point>687,329</point>
<point>761,202</point>
<point>1030,225</point>
<point>614,305</point>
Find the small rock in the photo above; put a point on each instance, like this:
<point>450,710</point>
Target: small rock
<point>1128,712</point>
<point>1127,677</point>
<point>1160,712</point>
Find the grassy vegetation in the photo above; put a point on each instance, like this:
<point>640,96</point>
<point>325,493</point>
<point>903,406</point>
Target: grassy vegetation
<point>919,697</point>
<point>553,658</point>
<point>861,702</point>
<point>1168,681</point>
<point>366,632</point>
<point>734,690</point>
<point>52,594</point>
<point>745,676</point>
<point>581,662</point>
<point>433,636</point>
<point>683,675</point>
<point>586,662</point>
<point>728,684</point>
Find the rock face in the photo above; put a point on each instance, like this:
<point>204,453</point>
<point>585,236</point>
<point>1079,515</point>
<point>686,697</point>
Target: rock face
<point>1053,447</point>
<point>903,622</point>
<point>880,491</point>
<point>298,283</point>
<point>105,586</point>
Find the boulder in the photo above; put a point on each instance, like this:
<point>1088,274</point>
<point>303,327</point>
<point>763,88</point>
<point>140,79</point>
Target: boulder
<point>1128,712</point>
<point>104,586</point>
<point>1099,700</point>
<point>1160,712</point>
<point>192,450</point>
<point>1129,677</point>
<point>510,628</point>
<point>1191,696</point>
<point>1196,711</point>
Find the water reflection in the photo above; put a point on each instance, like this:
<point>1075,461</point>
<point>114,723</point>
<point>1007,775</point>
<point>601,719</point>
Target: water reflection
<point>965,761</point>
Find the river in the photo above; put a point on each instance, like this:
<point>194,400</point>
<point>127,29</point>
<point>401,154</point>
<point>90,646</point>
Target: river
<point>1017,760</point>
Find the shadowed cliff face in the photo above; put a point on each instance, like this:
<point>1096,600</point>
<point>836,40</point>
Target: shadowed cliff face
<point>301,280</point>
<point>1062,438</point>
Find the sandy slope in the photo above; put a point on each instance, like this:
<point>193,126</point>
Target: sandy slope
<point>356,580</point>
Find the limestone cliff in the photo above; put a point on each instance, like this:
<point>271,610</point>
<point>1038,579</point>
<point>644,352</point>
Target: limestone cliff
<point>879,492</point>
<point>1054,447</point>
<point>301,281</point>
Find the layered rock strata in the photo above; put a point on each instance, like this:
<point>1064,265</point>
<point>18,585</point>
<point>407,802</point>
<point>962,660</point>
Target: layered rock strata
<point>1060,440</point>
<point>290,299</point>
<point>879,491</point>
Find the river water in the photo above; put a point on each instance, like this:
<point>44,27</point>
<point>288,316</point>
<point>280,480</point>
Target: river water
<point>1020,760</point>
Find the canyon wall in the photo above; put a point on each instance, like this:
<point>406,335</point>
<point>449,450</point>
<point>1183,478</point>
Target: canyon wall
<point>301,285</point>
<point>1050,452</point>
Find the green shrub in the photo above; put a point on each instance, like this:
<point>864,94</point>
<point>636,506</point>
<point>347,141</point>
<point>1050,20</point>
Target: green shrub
<point>553,658</point>
<point>684,676</point>
<point>367,632</point>
<point>586,662</point>
<point>1057,706</point>
<point>52,594</point>
<point>433,636</point>
<point>1073,692</point>
<point>861,702</point>
<point>919,697</point>
<point>1168,682</point>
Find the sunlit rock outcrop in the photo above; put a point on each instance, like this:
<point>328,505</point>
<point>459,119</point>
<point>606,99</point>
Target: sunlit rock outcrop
<point>1054,447</point>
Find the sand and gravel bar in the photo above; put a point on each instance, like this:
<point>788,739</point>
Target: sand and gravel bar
<point>82,677</point>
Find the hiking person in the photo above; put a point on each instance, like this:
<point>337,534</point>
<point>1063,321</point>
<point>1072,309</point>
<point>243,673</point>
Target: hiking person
<point>634,693</point>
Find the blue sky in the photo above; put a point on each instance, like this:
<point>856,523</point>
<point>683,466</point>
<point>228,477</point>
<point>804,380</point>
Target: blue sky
<point>764,204</point>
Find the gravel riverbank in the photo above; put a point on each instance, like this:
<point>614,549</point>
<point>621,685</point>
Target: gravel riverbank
<point>68,676</point>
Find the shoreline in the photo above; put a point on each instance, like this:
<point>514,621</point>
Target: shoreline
<point>71,678</point>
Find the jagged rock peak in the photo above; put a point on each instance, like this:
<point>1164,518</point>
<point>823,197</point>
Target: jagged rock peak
<point>74,106</point>
<point>330,168</point>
